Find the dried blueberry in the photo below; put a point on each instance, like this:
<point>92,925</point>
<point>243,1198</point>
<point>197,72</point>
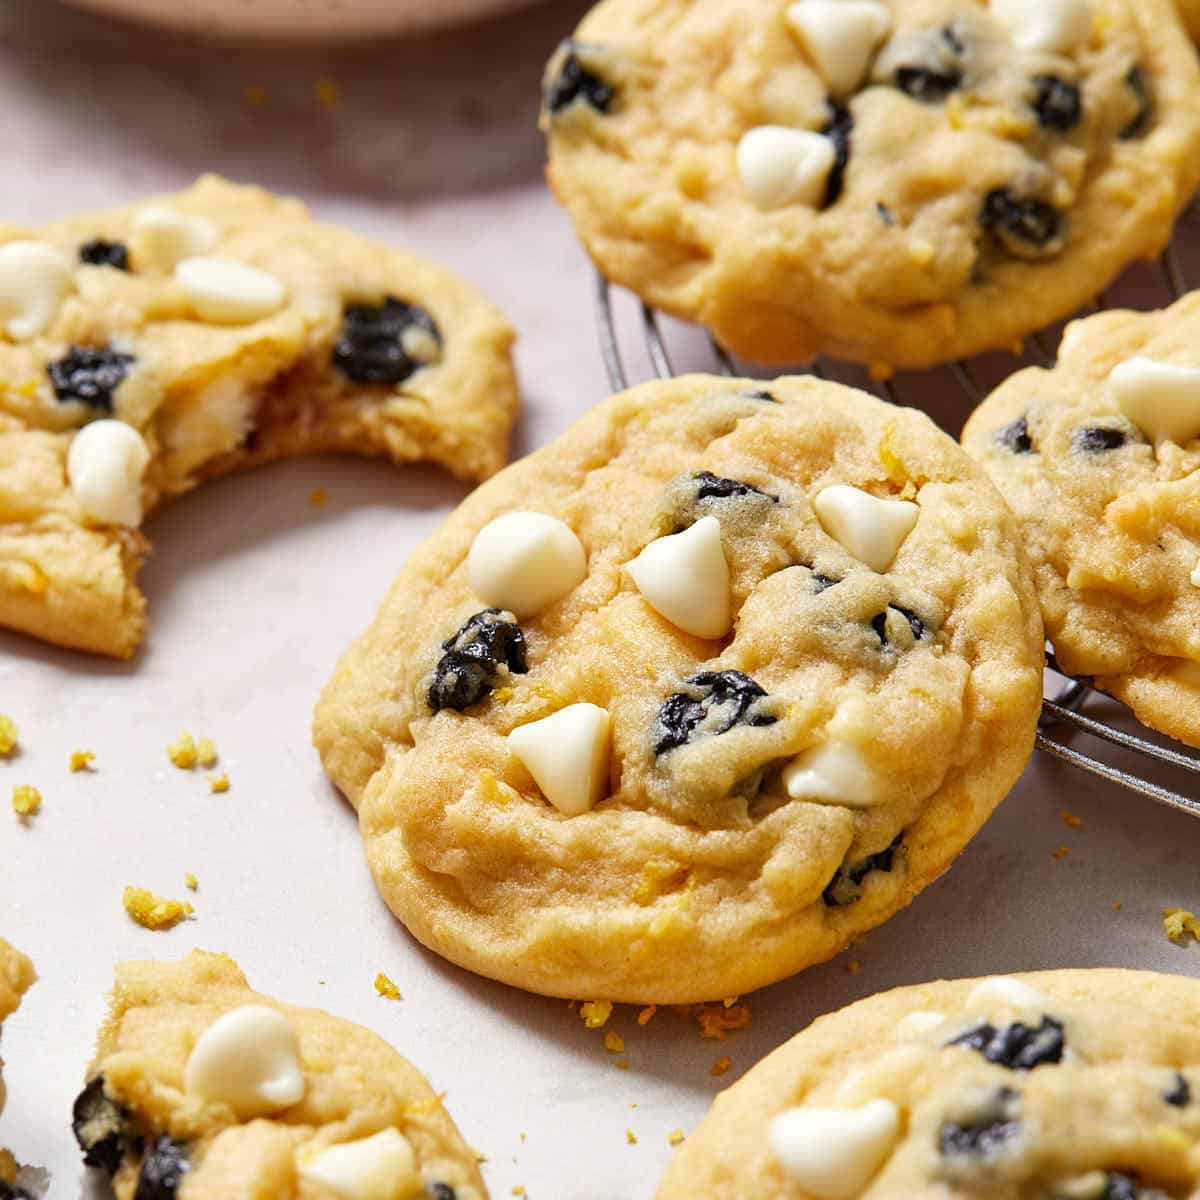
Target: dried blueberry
<point>719,700</point>
<point>575,82</point>
<point>823,582</point>
<point>885,214</point>
<point>1018,1047</point>
<point>1057,103</point>
<point>760,394</point>
<point>99,253</point>
<point>837,129</point>
<point>1180,1093</point>
<point>1026,227</point>
<point>1015,437</point>
<point>986,1136</point>
<point>473,658</point>
<point>1095,439</point>
<point>385,343</point>
<point>846,886</point>
<point>440,1191</point>
<point>1137,83</point>
<point>879,623</point>
<point>89,374</point>
<point>163,1168</point>
<point>715,487</point>
<point>101,1127</point>
<point>934,80</point>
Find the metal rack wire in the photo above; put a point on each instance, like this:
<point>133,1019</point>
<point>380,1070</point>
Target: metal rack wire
<point>1062,713</point>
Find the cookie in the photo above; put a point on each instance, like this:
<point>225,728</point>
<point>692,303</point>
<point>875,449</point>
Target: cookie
<point>689,698</point>
<point>1100,459</point>
<point>1059,1085</point>
<point>147,349</point>
<point>204,1089</point>
<point>895,183</point>
<point>16,977</point>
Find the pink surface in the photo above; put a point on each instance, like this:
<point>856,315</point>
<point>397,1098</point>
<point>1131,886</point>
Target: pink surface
<point>254,593</point>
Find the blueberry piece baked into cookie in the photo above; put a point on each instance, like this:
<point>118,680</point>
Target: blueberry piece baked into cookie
<point>1060,1085</point>
<point>896,183</point>
<point>1100,459</point>
<point>147,349</point>
<point>202,1089</point>
<point>689,698</point>
<point>16,977</point>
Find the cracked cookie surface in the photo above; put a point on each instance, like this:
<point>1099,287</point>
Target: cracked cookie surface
<point>1111,510</point>
<point>958,190</point>
<point>221,328</point>
<point>1057,1085</point>
<point>164,1127</point>
<point>683,817</point>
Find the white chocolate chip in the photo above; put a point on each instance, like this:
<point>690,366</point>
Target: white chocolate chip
<point>567,754</point>
<point>524,561</point>
<point>1003,991</point>
<point>1161,399</point>
<point>249,1058</point>
<point>1051,26</point>
<point>832,1153</point>
<point>780,166</point>
<point>211,421</point>
<point>840,36</point>
<point>871,529</point>
<point>162,237</point>
<point>34,281</point>
<point>420,345</point>
<point>228,292</point>
<point>1196,574</point>
<point>105,464</point>
<point>921,1021</point>
<point>832,773</point>
<point>380,1167</point>
<point>685,577</point>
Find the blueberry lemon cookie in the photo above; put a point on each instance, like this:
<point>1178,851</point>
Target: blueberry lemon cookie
<point>147,349</point>
<point>897,183</point>
<point>1061,1085</point>
<point>16,977</point>
<point>689,698</point>
<point>1190,9</point>
<point>202,1089</point>
<point>1100,459</point>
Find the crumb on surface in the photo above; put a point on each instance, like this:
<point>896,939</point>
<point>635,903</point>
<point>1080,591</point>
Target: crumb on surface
<point>523,1136</point>
<point>218,783</point>
<point>675,1137</point>
<point>1071,821</point>
<point>622,1064</point>
<point>631,1137</point>
<point>327,92</point>
<point>26,800</point>
<point>614,1043</point>
<point>1178,923</point>
<point>595,1013</point>
<point>81,760</point>
<point>8,735</point>
<point>254,95</point>
<point>715,1020</point>
<point>519,1190</point>
<point>720,1066</point>
<point>182,752</point>
<point>1061,852</point>
<point>317,497</point>
<point>190,881</point>
<point>1118,906</point>
<point>386,988</point>
<point>853,966</point>
<point>729,1001</point>
<point>645,1015</point>
<point>154,912</point>
<point>206,752</point>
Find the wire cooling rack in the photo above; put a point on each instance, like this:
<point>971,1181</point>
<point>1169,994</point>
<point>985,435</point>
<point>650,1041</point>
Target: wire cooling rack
<point>972,381</point>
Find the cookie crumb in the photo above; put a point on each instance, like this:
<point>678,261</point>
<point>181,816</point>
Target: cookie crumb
<point>1178,923</point>
<point>182,752</point>
<point>154,912</point>
<point>522,1137</point>
<point>729,1001</point>
<point>190,881</point>
<point>1118,906</point>
<point>8,736</point>
<point>720,1066</point>
<point>386,988</point>
<point>716,1023</point>
<point>1071,821</point>
<point>614,1043</point>
<point>853,966</point>
<point>518,1190</point>
<point>218,783</point>
<point>1061,852</point>
<point>675,1137</point>
<point>81,760</point>
<point>254,95</point>
<point>631,1137</point>
<point>595,1013</point>
<point>644,1016</point>
<point>206,753</point>
<point>317,497</point>
<point>328,94</point>
<point>26,800</point>
<point>622,1064</point>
